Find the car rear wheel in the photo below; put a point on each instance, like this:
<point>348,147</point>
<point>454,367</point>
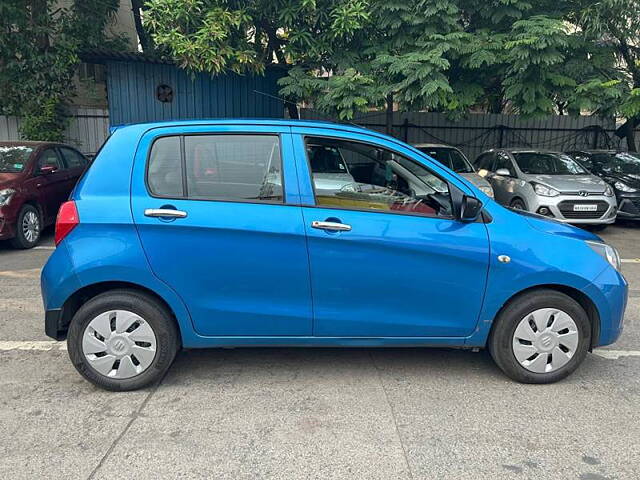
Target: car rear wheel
<point>122,340</point>
<point>28,228</point>
<point>540,337</point>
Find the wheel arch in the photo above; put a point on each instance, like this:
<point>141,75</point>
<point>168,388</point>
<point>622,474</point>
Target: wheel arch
<point>86,293</point>
<point>583,300</point>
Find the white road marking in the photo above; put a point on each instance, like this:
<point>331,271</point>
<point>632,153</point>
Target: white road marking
<point>630,260</point>
<point>30,273</point>
<point>43,247</point>
<point>41,346</point>
<point>616,354</point>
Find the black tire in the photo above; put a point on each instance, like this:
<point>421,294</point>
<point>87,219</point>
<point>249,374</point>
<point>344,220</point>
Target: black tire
<point>518,204</point>
<point>152,311</point>
<point>20,240</point>
<point>500,340</point>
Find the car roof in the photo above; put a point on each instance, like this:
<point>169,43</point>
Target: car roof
<point>522,150</point>
<point>28,143</point>
<point>255,121</point>
<point>433,145</point>
<point>596,151</point>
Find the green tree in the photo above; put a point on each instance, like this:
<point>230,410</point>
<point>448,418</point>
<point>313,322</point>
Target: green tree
<point>348,56</point>
<point>39,45</point>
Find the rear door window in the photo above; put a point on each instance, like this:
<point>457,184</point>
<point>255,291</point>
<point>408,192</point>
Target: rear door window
<point>224,167</point>
<point>72,158</point>
<point>233,167</point>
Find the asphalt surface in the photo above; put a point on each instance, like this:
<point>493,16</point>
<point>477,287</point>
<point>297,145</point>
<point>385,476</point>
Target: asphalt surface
<point>313,413</point>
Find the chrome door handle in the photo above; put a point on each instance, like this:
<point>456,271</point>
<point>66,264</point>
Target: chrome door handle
<point>164,213</point>
<point>332,226</point>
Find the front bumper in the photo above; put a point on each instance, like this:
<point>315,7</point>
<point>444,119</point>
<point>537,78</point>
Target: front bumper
<point>609,292</point>
<point>629,205</point>
<point>7,226</point>
<point>572,208</point>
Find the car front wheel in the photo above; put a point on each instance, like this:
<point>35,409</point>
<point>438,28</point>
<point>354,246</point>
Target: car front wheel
<point>28,228</point>
<point>540,337</point>
<point>122,340</point>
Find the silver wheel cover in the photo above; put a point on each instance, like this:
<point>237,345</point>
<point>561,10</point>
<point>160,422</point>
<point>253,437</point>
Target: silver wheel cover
<point>545,340</point>
<point>119,344</point>
<point>31,226</point>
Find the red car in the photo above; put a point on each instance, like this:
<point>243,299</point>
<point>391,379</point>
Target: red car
<point>35,179</point>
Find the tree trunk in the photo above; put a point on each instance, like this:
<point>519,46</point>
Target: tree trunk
<point>292,108</point>
<point>627,131</point>
<point>389,117</point>
<point>145,40</point>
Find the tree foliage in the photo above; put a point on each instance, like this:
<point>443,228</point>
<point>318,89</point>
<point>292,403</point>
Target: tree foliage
<point>39,45</point>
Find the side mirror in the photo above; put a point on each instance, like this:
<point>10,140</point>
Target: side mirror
<point>470,209</point>
<point>504,172</point>
<point>47,169</point>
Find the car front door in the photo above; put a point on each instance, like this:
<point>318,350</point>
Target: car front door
<point>218,215</point>
<point>387,257</point>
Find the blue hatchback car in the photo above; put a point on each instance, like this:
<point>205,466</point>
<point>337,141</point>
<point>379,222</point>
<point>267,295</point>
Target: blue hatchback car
<point>238,233</point>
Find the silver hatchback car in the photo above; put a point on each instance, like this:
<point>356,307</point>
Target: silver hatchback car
<point>548,183</point>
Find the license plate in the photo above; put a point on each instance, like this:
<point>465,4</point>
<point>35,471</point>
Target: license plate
<point>585,208</point>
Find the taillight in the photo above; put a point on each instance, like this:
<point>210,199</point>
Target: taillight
<point>66,221</point>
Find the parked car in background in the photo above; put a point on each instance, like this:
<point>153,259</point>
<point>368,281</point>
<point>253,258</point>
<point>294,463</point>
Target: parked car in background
<point>35,179</point>
<point>253,262</point>
<point>454,159</point>
<point>548,183</point>
<point>621,170</point>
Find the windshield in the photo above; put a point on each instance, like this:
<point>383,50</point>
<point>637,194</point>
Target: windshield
<point>623,162</point>
<point>548,164</point>
<point>13,159</point>
<point>449,157</point>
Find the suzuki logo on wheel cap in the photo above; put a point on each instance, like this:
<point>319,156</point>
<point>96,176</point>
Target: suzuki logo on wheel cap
<point>119,345</point>
<point>546,341</point>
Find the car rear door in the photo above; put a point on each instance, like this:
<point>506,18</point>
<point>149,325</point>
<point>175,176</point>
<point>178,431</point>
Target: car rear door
<point>51,187</point>
<point>217,211</point>
<point>383,263</point>
<point>75,163</point>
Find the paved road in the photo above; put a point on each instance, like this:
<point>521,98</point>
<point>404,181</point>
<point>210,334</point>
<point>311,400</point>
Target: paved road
<point>313,413</point>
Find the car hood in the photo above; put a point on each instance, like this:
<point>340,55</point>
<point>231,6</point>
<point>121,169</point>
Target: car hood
<point>548,225</point>
<point>631,179</point>
<point>331,181</point>
<point>570,183</point>
<point>476,179</point>
<point>8,180</point>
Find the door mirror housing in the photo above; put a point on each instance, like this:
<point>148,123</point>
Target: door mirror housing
<point>47,169</point>
<point>504,172</point>
<point>470,209</point>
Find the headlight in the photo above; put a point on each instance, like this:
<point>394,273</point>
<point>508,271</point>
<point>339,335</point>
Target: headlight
<point>623,187</point>
<point>487,190</point>
<point>545,191</point>
<point>5,196</point>
<point>607,252</point>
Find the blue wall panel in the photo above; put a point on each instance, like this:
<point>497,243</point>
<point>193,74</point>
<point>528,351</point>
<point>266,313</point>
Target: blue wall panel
<point>131,88</point>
